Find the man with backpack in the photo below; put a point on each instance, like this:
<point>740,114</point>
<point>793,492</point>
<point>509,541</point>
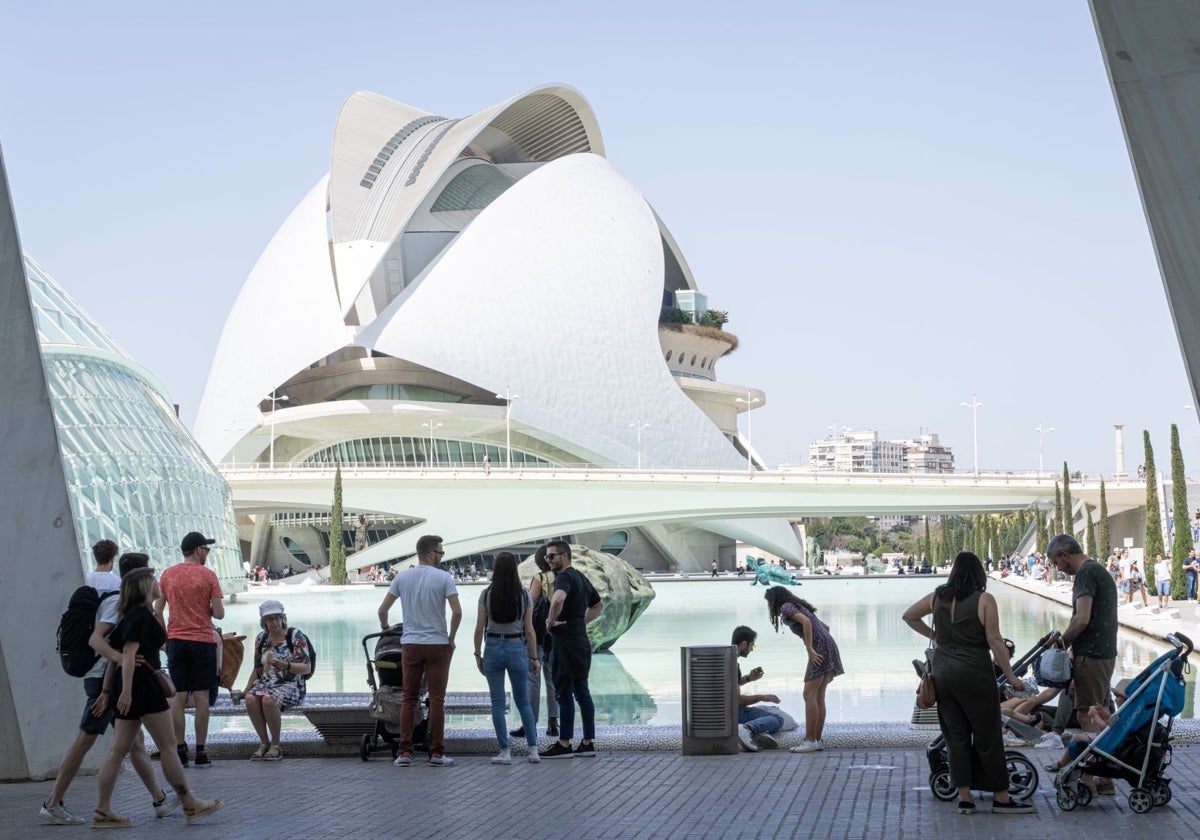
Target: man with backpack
<point>98,712</point>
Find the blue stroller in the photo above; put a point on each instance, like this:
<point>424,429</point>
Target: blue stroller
<point>1136,745</point>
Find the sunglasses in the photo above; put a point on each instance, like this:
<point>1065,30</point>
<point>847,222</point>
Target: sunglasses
<point>550,555</point>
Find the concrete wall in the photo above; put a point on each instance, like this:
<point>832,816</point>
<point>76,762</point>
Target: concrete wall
<point>39,555</point>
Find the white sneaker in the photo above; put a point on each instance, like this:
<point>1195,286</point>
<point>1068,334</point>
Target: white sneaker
<point>807,747</point>
<point>170,803</point>
<point>747,738</point>
<point>502,757</point>
<point>440,761</point>
<point>59,815</point>
<point>534,758</point>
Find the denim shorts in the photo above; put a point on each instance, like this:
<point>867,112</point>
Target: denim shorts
<point>88,723</point>
<point>193,665</point>
<point>1163,586</point>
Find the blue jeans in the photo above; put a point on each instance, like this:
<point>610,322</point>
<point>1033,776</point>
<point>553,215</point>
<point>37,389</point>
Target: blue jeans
<point>1190,577</point>
<point>511,656</point>
<point>759,720</point>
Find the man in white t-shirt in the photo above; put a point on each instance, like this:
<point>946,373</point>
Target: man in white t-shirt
<point>1126,566</point>
<point>97,712</point>
<point>426,646</point>
<point>1162,581</point>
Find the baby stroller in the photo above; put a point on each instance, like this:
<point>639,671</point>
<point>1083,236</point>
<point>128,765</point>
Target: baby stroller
<point>388,696</point>
<point>1022,773</point>
<point>1136,745</point>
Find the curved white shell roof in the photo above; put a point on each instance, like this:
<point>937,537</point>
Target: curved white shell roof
<point>570,259</point>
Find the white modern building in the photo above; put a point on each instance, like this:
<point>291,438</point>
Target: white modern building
<point>863,451</point>
<point>461,289</point>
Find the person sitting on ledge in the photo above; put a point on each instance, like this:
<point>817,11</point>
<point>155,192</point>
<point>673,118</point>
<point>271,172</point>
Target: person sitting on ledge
<point>281,660</point>
<point>755,724</point>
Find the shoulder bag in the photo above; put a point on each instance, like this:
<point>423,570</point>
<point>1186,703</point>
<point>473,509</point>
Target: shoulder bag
<point>926,691</point>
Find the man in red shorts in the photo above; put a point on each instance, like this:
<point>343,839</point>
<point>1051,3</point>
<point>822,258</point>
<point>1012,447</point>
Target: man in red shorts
<point>192,595</point>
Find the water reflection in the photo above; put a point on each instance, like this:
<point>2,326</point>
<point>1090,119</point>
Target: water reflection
<point>639,682</point>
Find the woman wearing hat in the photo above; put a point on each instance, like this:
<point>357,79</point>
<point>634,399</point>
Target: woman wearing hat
<point>281,660</point>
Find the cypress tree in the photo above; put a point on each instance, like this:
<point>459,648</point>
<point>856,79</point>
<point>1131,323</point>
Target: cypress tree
<point>1042,539</point>
<point>1068,508</point>
<point>1090,533</point>
<point>1154,532</point>
<point>928,542</point>
<point>980,540</point>
<point>337,542</point>
<point>1105,546</point>
<point>1058,510</point>
<point>1182,542</point>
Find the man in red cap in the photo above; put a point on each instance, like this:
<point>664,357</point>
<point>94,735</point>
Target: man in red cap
<point>192,595</point>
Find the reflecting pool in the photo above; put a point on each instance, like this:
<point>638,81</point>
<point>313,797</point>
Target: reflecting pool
<point>639,681</point>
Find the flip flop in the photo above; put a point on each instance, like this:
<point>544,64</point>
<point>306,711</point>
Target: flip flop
<point>107,819</point>
<point>203,811</point>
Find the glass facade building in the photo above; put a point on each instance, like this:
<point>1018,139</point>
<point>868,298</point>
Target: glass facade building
<point>134,473</point>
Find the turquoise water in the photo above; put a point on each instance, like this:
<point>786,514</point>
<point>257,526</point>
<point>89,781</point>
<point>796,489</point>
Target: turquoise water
<point>639,681</point>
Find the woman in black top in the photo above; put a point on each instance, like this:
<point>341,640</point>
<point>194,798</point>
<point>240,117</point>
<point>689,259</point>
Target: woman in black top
<point>968,705</point>
<point>139,637</point>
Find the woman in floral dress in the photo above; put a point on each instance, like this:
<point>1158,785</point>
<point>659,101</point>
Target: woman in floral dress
<point>824,658</point>
<point>281,660</point>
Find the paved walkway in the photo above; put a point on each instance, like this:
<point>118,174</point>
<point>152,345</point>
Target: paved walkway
<point>838,793</point>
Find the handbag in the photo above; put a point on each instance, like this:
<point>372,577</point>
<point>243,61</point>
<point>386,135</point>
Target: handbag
<point>165,684</point>
<point>1053,668</point>
<point>926,690</point>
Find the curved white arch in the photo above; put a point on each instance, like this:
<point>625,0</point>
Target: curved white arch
<point>285,318</point>
<point>543,253</point>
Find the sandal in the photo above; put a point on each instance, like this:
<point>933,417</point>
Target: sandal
<point>107,819</point>
<point>275,753</point>
<point>259,753</point>
<point>202,809</point>
<point>1053,767</point>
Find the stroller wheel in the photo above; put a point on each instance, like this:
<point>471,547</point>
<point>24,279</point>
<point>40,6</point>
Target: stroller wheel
<point>939,783</point>
<point>1140,800</point>
<point>1162,792</point>
<point>1022,775</point>
<point>364,747</point>
<point>1066,798</point>
<point>1083,792</point>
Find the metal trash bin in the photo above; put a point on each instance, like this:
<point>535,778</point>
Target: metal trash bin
<point>710,693</point>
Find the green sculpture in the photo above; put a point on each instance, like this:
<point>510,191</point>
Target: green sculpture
<point>768,573</point>
<point>623,590</point>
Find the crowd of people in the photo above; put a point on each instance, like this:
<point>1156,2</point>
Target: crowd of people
<point>535,631</point>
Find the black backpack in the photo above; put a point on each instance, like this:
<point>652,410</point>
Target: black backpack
<point>75,628</point>
<point>312,656</point>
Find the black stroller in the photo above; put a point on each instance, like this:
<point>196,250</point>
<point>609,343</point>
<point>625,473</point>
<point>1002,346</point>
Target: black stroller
<point>388,696</point>
<point>1135,746</point>
<point>1022,773</point>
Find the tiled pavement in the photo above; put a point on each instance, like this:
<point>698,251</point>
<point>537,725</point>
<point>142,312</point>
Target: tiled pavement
<point>842,792</point>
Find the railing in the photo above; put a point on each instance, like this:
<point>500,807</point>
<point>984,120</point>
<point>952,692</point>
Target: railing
<point>584,472</point>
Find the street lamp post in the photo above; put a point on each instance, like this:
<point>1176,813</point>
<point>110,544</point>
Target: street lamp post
<point>750,401</point>
<point>637,426</point>
<point>1041,433</point>
<point>429,424</point>
<point>974,405</point>
<point>275,400</point>
<point>508,398</point>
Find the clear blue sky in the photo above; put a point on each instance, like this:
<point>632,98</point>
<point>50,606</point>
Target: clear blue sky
<point>898,204</point>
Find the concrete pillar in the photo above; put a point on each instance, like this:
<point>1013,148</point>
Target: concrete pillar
<point>39,552</point>
<point>1120,444</point>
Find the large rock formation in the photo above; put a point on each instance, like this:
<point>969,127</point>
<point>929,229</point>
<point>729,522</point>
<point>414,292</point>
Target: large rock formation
<point>624,591</point>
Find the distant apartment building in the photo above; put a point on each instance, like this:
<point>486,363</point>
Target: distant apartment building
<point>862,451</point>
